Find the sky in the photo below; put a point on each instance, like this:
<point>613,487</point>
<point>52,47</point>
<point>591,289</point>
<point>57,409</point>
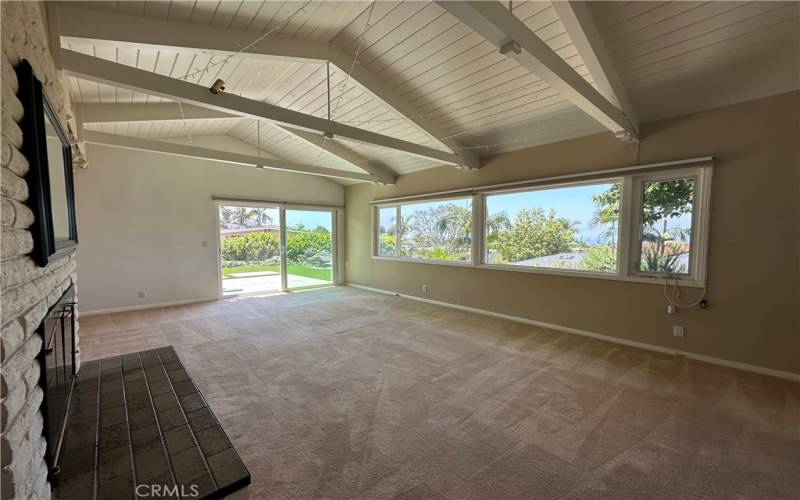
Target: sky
<point>575,203</point>
<point>309,218</point>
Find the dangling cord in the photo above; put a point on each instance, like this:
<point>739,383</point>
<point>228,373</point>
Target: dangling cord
<point>330,124</point>
<point>258,142</point>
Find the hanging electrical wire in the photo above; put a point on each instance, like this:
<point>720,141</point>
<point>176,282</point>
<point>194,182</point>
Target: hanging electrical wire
<point>367,26</point>
<point>249,45</point>
<point>183,122</point>
<point>672,298</point>
<point>258,143</point>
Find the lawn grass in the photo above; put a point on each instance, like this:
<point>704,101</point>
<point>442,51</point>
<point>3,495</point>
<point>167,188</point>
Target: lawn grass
<point>308,272</point>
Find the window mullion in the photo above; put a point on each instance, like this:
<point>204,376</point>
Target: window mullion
<point>478,229</point>
<point>627,211</point>
<point>398,231</point>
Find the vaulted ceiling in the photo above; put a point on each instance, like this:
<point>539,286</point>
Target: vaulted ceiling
<point>418,72</point>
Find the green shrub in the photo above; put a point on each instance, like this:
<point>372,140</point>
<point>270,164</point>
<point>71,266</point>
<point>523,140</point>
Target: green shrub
<point>386,242</point>
<point>599,258</point>
<point>257,246</point>
<point>308,247</point>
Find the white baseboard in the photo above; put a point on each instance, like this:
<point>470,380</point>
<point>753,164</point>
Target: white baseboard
<point>632,343</point>
<point>140,307</point>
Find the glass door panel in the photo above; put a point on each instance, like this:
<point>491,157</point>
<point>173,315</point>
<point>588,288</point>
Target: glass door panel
<point>309,248</point>
<point>249,247</point>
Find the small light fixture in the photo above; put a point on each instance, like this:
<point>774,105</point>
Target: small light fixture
<point>217,87</point>
<point>511,46</point>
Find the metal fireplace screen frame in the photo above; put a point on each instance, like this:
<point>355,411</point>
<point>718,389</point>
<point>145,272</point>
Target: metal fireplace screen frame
<point>57,378</point>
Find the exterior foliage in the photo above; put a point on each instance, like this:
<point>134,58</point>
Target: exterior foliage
<point>599,259</point>
<point>535,233</point>
<point>664,202</point>
<point>250,247</point>
<point>309,248</point>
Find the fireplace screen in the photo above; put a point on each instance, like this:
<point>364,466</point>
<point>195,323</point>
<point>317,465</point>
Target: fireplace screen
<point>58,372</point>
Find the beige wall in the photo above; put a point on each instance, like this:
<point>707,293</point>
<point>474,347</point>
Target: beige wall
<point>143,218</point>
<point>755,228</point>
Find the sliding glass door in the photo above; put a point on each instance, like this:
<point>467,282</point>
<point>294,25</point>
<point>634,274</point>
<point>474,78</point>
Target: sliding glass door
<point>268,249</point>
<point>309,248</point>
<point>249,249</point>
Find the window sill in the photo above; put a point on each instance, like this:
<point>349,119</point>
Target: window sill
<point>654,280</point>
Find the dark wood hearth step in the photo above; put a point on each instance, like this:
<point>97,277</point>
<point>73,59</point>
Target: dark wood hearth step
<point>139,424</point>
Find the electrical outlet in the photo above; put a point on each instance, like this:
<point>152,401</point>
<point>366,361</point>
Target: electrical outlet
<point>425,288</point>
<point>142,294</point>
<point>205,244</point>
<point>677,331</point>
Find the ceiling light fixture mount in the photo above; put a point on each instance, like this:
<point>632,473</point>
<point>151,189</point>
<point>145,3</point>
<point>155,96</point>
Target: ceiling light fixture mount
<point>217,87</point>
<point>511,46</point>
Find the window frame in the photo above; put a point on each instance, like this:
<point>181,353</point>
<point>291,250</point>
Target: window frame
<point>544,187</point>
<point>698,237</point>
<point>629,226</point>
<point>398,241</point>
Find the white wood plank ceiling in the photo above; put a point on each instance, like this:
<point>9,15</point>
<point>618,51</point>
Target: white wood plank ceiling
<point>456,79</point>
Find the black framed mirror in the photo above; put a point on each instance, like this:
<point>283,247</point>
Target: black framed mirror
<point>49,153</point>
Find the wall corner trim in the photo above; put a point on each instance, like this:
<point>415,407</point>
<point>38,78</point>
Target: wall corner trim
<point>616,340</point>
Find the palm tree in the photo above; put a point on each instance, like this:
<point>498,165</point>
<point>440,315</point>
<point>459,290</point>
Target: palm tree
<point>495,224</point>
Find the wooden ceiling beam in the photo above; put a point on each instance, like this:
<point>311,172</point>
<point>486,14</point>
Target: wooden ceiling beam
<point>187,151</point>
<point>126,113</point>
<point>581,28</point>
<point>92,26</point>
<point>111,73</point>
<point>497,24</point>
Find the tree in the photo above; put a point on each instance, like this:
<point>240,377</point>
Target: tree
<point>445,226</point>
<point>607,212</point>
<point>495,224</point>
<point>535,233</point>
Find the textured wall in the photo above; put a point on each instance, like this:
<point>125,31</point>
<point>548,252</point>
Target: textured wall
<point>754,252</point>
<point>28,290</point>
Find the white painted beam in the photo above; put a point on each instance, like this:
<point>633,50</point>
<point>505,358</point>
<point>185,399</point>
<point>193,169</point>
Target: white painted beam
<point>101,70</point>
<point>494,22</point>
<point>153,112</point>
<point>126,113</point>
<point>95,26</point>
<point>382,174</point>
<point>580,26</point>
<point>186,151</point>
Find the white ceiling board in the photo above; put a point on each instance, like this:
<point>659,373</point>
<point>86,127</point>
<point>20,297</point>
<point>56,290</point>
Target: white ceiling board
<point>318,20</point>
<point>678,57</point>
<point>550,127</point>
<point>287,146</point>
<point>441,66</point>
<point>672,58</point>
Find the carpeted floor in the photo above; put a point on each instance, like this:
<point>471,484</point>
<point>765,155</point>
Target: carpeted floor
<point>341,393</point>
